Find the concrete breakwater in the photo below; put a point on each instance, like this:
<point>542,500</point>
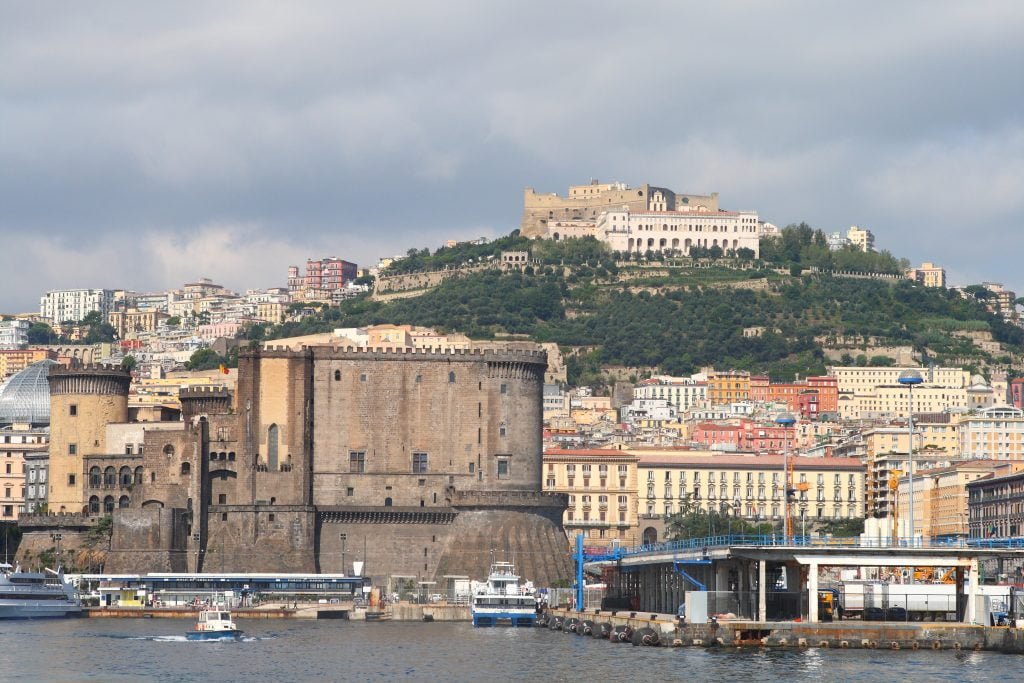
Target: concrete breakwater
<point>844,635</point>
<point>396,612</point>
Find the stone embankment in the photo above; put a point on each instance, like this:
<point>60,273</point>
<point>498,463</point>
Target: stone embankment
<point>843,635</point>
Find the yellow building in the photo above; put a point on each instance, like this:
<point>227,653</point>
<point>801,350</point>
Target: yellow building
<point>928,274</point>
<point>940,495</point>
<point>134,321</point>
<point>602,487</point>
<point>16,360</point>
<point>749,486</point>
<point>271,311</point>
<point>852,379</point>
<point>727,387</point>
<point>892,401</point>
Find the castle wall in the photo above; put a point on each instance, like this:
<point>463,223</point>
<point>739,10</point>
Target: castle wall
<point>148,540</point>
<point>265,538</point>
<point>466,412</point>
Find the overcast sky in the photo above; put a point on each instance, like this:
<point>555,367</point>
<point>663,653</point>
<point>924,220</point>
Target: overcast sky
<point>146,144</point>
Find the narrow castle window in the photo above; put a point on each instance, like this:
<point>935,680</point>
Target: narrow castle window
<point>337,375</point>
<point>272,438</point>
<point>451,378</point>
<point>168,450</point>
<point>186,468</point>
<point>73,410</point>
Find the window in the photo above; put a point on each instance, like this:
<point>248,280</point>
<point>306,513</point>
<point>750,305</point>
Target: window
<point>451,378</point>
<point>73,410</point>
<point>186,468</point>
<point>273,434</point>
<point>503,468</point>
<point>504,388</point>
<point>222,499</point>
<point>71,480</point>
<point>128,449</point>
<point>168,450</point>
<point>72,449</point>
<point>350,491</point>
<point>337,375</point>
<point>357,461</point>
<point>419,463</point>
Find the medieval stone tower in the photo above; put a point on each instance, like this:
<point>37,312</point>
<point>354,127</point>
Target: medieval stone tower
<point>82,402</point>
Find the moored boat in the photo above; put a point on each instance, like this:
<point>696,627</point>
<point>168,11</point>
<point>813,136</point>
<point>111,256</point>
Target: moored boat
<point>33,595</point>
<point>502,601</point>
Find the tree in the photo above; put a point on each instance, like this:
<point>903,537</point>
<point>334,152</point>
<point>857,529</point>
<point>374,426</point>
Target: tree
<point>129,363</point>
<point>174,321</point>
<point>41,333</point>
<point>204,359</point>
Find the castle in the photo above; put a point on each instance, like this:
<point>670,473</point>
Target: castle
<point>429,459</point>
<point>575,214</point>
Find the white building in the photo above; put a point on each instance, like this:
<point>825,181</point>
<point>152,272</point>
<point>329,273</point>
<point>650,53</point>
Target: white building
<point>682,392</point>
<point>641,231</point>
<point>853,379</point>
<point>13,333</point>
<point>71,305</point>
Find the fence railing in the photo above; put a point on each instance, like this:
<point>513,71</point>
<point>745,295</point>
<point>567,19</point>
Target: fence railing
<point>726,540</point>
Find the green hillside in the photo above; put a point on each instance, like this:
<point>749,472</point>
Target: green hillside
<point>684,314</point>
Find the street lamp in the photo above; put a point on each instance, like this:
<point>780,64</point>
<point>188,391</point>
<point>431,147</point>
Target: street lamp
<point>910,378</point>
<point>785,420</point>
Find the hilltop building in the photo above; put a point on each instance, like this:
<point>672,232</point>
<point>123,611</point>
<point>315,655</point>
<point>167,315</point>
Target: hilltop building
<point>584,203</point>
<point>928,274</point>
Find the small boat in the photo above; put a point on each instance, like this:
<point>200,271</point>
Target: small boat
<point>31,595</point>
<point>214,625</point>
<point>501,600</point>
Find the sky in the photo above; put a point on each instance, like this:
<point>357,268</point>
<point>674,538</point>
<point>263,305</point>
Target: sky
<point>143,145</point>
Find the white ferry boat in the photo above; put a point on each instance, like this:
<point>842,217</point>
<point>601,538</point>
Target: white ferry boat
<point>31,595</point>
<point>501,600</point>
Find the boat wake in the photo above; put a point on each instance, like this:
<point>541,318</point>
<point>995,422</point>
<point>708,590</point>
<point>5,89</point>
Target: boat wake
<point>183,639</point>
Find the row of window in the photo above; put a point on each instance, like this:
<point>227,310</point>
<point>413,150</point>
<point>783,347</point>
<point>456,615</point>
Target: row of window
<point>421,464</point>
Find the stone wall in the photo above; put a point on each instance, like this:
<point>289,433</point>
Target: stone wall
<point>149,540</point>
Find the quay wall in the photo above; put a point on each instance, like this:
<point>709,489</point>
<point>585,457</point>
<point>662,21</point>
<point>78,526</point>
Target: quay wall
<point>843,635</point>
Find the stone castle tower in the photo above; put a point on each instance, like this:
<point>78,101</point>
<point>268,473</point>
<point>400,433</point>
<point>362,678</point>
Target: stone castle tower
<point>82,402</point>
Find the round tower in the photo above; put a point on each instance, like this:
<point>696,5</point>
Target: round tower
<point>83,401</point>
<point>197,401</point>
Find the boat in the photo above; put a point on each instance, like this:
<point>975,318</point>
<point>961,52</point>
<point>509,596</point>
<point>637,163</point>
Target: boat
<point>214,625</point>
<point>33,595</point>
<point>501,600</point>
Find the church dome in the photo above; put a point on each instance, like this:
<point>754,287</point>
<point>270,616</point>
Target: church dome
<point>25,397</point>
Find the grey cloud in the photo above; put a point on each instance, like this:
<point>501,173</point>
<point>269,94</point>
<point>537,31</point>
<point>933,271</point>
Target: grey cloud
<point>153,131</point>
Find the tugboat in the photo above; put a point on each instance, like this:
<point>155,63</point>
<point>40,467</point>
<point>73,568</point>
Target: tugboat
<point>214,625</point>
<point>501,601</point>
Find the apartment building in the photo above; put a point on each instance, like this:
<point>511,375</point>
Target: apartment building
<point>940,497</point>
<point>602,488</point>
<point>995,434</point>
<point>682,392</point>
<point>71,305</point>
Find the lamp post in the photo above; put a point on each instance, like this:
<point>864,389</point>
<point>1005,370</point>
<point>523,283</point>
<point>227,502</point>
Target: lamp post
<point>910,378</point>
<point>785,420</point>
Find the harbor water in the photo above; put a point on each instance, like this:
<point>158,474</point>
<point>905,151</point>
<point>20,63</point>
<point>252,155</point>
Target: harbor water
<point>156,650</point>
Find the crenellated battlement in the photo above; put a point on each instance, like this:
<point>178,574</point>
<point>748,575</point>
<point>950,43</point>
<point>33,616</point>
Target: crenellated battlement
<point>203,392</point>
<point>97,380</point>
<point>508,355</point>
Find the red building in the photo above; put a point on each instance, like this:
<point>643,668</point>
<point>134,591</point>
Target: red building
<point>745,436</point>
<point>1017,393</point>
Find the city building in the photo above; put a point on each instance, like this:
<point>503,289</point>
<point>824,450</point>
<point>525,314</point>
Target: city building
<point>1001,301</point>
<point>728,386</point>
<point>13,361</point>
<point>928,274</point>
<point>940,497</point>
<point>14,333</point>
<point>682,392</point>
<point>322,277</point>
<point>852,379</point>
<point>995,508</point>
<point>601,486</point>
<point>61,306</point>
<point>584,203</point>
<point>860,238</point>
<point>994,434</point>
<point>892,401</point>
<point>129,323</point>
<point>747,486</point>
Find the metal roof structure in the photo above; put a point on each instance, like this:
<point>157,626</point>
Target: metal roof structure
<point>25,397</point>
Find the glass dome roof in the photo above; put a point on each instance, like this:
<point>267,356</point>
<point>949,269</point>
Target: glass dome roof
<point>25,397</point>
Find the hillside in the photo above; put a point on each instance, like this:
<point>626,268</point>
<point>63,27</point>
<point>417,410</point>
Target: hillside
<point>681,315</point>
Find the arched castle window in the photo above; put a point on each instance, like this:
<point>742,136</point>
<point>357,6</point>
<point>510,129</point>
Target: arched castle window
<point>186,468</point>
<point>272,447</point>
<point>123,502</point>
<point>94,505</point>
<point>337,375</point>
<point>387,502</point>
<point>108,504</point>
<point>138,474</point>
<point>168,450</point>
<point>125,476</point>
<point>95,481</point>
<point>110,477</point>
<point>152,477</point>
<point>451,378</point>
